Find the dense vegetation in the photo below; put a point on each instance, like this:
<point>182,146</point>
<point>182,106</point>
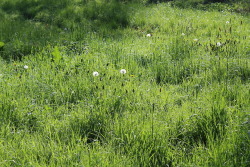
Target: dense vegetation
<point>182,98</point>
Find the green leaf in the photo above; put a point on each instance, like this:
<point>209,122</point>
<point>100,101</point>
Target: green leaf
<point>56,55</point>
<point>2,44</point>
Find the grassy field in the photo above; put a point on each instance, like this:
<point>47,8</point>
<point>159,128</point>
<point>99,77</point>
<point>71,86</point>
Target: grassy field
<point>182,98</point>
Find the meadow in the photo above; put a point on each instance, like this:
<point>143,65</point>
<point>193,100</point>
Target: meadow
<point>105,83</point>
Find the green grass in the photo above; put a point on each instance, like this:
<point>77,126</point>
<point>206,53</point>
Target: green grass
<point>184,100</point>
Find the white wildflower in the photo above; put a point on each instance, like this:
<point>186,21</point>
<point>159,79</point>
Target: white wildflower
<point>95,73</point>
<point>25,67</point>
<point>227,22</point>
<point>218,44</point>
<point>183,34</point>
<point>149,35</point>
<point>123,71</point>
<point>195,40</point>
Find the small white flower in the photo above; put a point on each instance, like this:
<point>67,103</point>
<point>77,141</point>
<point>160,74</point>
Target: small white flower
<point>25,67</point>
<point>183,34</point>
<point>123,71</point>
<point>218,44</point>
<point>1,75</point>
<point>227,22</point>
<point>149,35</point>
<point>95,73</point>
<point>195,40</point>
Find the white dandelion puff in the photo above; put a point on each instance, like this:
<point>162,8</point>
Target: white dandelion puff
<point>123,71</point>
<point>25,67</point>
<point>218,44</point>
<point>95,73</point>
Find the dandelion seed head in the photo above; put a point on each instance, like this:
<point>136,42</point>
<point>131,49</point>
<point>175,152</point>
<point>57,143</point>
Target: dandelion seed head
<point>25,67</point>
<point>95,73</point>
<point>123,71</point>
<point>218,44</point>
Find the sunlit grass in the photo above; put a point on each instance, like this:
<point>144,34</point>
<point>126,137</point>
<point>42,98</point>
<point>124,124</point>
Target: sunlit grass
<point>121,97</point>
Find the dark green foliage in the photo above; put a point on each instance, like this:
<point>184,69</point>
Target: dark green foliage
<point>194,1</point>
<point>109,13</point>
<point>23,38</point>
<point>175,72</point>
<point>146,150</point>
<point>242,6</point>
<point>59,17</point>
<point>208,128</point>
<point>30,8</point>
<point>7,112</point>
<point>92,127</point>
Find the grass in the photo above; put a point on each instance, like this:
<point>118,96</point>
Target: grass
<point>184,100</point>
